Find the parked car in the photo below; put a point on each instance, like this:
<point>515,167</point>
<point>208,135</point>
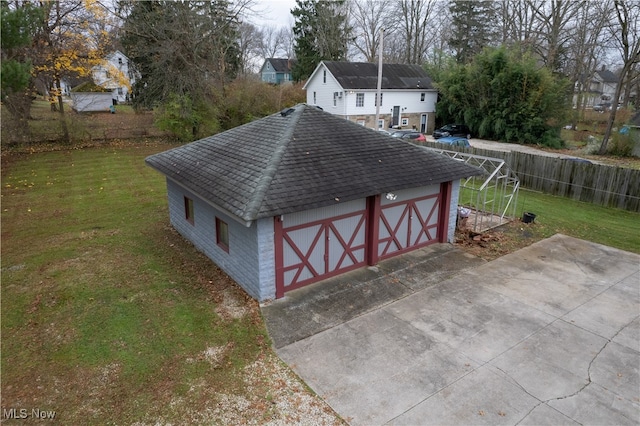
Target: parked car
<point>455,141</point>
<point>602,107</point>
<point>408,134</point>
<point>459,130</point>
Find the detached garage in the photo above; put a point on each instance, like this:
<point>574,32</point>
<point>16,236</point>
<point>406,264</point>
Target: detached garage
<point>303,195</point>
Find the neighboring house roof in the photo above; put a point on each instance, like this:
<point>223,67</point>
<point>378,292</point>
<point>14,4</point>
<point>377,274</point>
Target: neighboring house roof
<point>281,65</point>
<point>607,76</point>
<point>364,75</point>
<point>298,160</point>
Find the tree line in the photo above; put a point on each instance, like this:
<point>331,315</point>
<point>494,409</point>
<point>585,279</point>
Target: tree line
<point>188,52</point>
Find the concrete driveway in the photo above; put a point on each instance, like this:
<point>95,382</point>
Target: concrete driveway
<point>548,335</point>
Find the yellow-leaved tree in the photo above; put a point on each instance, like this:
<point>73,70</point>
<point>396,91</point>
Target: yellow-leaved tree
<point>73,38</point>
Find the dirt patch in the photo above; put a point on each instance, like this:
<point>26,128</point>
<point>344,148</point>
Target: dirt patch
<point>497,242</point>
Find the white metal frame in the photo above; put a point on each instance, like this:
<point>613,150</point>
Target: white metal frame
<point>493,196</point>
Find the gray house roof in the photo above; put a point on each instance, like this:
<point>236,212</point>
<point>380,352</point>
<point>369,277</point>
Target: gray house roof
<point>364,75</point>
<point>300,159</point>
<point>281,65</point>
<point>607,76</point>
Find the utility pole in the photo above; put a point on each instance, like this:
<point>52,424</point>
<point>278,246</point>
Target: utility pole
<point>379,92</point>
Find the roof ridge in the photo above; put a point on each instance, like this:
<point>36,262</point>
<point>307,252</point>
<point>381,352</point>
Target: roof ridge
<point>274,162</point>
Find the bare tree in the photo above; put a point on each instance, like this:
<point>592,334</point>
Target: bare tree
<point>553,28</point>
<point>287,39</point>
<point>586,51</point>
<point>415,16</point>
<point>517,21</point>
<point>368,18</point>
<point>625,32</point>
<point>250,47</point>
<point>276,42</point>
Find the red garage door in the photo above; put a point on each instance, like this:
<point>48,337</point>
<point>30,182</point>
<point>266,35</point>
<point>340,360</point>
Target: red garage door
<point>317,244</point>
<point>310,248</point>
<point>408,223</point>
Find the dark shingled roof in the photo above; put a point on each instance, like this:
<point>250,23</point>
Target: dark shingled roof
<point>364,75</point>
<point>607,76</point>
<point>282,65</point>
<point>303,159</point>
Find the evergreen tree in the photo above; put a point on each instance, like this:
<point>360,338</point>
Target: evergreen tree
<point>503,96</point>
<point>474,26</point>
<point>18,27</point>
<point>186,52</point>
<point>180,48</point>
<point>321,32</point>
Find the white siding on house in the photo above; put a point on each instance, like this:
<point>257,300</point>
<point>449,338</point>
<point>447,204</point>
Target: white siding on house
<point>411,106</point>
<point>325,91</point>
<point>91,101</point>
<point>408,101</point>
<point>114,74</point>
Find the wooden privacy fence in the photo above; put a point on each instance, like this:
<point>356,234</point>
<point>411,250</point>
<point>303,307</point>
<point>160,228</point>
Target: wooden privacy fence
<point>599,184</point>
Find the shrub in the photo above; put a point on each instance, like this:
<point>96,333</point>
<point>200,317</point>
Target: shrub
<point>621,145</point>
<point>186,120</point>
<point>504,96</point>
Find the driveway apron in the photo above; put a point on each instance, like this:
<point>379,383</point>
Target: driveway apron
<point>549,334</point>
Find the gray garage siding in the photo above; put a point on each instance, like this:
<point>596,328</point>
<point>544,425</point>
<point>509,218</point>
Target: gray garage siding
<point>249,266</point>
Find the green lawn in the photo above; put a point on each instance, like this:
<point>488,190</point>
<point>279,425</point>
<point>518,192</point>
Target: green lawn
<point>109,315</point>
<point>611,227</point>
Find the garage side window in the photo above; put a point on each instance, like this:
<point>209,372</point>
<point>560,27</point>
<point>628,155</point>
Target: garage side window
<point>188,210</point>
<point>222,234</point>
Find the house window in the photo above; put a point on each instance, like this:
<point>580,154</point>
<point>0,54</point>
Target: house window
<point>314,98</point>
<point>188,210</point>
<point>324,76</point>
<point>380,124</point>
<point>362,123</point>
<point>422,96</point>
<point>222,234</point>
<point>359,99</point>
<point>120,91</point>
<point>335,98</point>
<point>381,99</point>
<point>405,121</point>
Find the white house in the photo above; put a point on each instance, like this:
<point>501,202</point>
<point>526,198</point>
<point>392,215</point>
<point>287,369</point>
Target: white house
<point>116,74</point>
<point>349,89</point>
<point>599,89</point>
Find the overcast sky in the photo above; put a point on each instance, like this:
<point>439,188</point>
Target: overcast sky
<point>275,13</point>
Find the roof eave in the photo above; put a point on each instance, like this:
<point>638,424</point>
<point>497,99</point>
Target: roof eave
<point>245,222</point>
